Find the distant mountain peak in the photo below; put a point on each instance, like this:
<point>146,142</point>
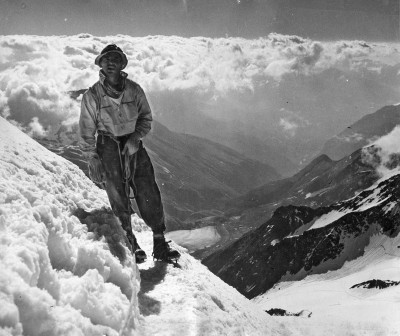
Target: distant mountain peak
<point>362,132</point>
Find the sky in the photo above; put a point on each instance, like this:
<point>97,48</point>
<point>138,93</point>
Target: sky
<point>66,269</point>
<point>322,19</point>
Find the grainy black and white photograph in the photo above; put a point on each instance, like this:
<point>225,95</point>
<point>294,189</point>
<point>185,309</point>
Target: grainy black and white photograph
<point>199,167</point>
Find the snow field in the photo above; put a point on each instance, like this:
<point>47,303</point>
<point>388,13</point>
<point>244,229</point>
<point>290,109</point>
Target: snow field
<point>193,301</point>
<point>56,279</point>
<point>336,308</point>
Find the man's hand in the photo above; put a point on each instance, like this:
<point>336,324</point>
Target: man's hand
<point>96,170</point>
<point>132,145</point>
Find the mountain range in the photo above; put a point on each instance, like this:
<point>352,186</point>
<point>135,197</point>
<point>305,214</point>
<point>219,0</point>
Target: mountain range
<point>299,241</point>
<point>322,182</point>
<point>319,184</point>
<point>284,124</point>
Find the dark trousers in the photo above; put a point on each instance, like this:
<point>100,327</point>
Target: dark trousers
<point>143,183</point>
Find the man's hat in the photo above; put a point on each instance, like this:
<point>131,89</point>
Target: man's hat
<point>109,49</point>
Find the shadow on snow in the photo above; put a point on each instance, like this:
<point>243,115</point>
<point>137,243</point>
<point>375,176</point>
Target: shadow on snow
<point>103,223</point>
<point>150,278</point>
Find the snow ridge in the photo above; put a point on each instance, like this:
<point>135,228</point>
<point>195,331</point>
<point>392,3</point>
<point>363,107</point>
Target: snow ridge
<point>56,278</point>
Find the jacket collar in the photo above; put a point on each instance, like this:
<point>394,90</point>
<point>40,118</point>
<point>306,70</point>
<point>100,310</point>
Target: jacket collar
<point>109,90</point>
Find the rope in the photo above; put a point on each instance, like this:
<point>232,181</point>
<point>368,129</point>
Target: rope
<point>128,175</point>
<point>125,164</point>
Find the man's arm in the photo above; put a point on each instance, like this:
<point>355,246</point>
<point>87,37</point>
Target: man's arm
<point>87,126</point>
<point>143,123</point>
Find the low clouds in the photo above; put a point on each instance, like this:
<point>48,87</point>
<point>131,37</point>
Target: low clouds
<point>290,122</point>
<point>36,129</point>
<point>34,84</point>
<point>255,76</point>
<point>384,153</point>
<point>288,126</point>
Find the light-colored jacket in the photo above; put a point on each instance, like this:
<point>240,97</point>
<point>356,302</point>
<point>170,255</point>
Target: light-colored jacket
<point>99,112</point>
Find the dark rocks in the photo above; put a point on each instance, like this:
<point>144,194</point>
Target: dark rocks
<point>376,283</point>
<point>283,312</point>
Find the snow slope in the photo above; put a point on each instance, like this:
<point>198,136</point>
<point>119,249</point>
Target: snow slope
<point>66,270</point>
<point>345,310</point>
<point>310,262</point>
<point>329,296</point>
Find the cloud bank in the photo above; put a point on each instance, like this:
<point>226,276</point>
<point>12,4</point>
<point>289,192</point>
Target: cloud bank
<point>253,82</point>
<point>384,153</point>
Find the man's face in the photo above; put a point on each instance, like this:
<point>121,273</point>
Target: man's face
<point>111,64</point>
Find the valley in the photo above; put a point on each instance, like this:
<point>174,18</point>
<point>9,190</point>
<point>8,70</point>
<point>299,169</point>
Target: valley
<point>204,184</point>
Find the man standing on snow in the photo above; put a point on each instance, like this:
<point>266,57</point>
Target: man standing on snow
<point>115,109</point>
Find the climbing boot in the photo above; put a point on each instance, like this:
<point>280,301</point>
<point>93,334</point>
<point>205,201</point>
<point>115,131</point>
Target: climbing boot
<point>140,255</point>
<point>162,251</point>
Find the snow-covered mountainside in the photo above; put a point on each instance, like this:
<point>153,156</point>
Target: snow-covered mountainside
<point>298,241</point>
<point>302,245</point>
<point>363,296</point>
<point>362,132</point>
<point>320,183</point>
<point>66,270</point>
